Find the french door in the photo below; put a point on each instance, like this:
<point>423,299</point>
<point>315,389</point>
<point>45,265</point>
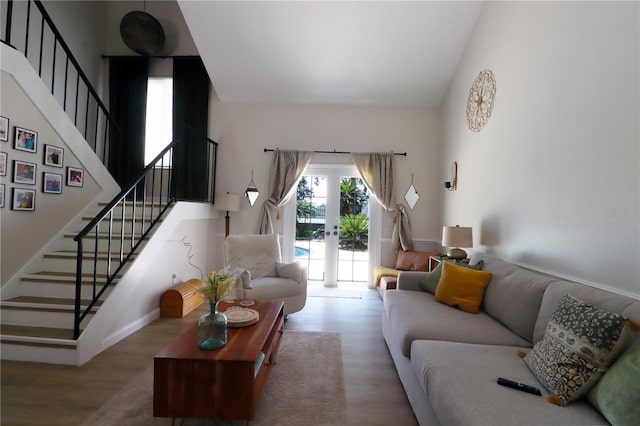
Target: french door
<point>332,225</point>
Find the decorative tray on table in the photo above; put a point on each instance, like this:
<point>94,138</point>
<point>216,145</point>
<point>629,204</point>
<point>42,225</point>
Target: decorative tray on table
<point>241,317</point>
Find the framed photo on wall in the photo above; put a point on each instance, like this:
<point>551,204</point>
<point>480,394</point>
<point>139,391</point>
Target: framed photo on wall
<point>51,183</point>
<point>24,172</point>
<point>4,129</point>
<point>3,163</point>
<point>75,176</point>
<point>26,140</point>
<point>53,156</point>
<point>2,188</point>
<point>23,199</point>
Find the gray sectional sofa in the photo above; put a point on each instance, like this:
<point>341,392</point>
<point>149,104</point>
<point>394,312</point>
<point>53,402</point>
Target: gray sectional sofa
<point>449,360</point>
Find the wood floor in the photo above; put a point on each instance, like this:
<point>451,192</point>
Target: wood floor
<point>42,394</point>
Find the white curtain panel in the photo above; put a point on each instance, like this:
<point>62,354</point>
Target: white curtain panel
<point>377,171</point>
<point>401,237</point>
<point>286,170</point>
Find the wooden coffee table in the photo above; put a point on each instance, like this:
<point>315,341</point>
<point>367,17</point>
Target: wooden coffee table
<point>226,383</point>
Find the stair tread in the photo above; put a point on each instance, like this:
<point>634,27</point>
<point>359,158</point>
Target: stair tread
<point>48,301</point>
<point>42,332</point>
<point>75,252</point>
<point>64,274</point>
<point>126,219</point>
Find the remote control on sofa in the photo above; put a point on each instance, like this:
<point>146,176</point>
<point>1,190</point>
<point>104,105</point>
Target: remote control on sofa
<point>520,386</point>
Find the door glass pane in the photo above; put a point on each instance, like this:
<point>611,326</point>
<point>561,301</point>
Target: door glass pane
<point>311,206</point>
<point>353,256</point>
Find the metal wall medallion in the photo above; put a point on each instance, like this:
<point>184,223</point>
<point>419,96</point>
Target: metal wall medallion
<point>481,98</point>
<point>142,33</point>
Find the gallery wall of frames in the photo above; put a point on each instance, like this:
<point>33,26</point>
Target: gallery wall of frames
<point>23,177</point>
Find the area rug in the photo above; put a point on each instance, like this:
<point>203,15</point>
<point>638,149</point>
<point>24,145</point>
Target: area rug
<point>306,387</point>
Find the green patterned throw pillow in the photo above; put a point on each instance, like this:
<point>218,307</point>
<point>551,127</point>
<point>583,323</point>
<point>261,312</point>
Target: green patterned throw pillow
<point>579,344</point>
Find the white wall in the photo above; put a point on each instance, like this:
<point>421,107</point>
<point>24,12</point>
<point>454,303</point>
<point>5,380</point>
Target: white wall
<point>74,18</point>
<point>552,181</point>
<point>244,130</point>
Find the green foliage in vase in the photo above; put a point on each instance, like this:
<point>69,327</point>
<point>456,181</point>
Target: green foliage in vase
<point>216,286</point>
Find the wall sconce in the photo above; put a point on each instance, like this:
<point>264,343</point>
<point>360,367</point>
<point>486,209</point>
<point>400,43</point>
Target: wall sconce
<point>229,203</point>
<point>452,185</point>
<point>456,237</point>
<point>251,192</point>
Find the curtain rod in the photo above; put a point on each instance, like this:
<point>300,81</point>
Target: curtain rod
<point>404,154</point>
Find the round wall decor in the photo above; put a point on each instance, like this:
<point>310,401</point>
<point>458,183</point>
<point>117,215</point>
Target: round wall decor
<point>481,97</point>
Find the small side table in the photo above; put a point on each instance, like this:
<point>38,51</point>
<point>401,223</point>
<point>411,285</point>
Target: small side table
<point>434,261</point>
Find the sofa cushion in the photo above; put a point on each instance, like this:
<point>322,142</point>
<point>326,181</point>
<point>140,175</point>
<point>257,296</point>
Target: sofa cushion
<point>462,287</point>
<point>431,280</point>
<point>617,394</point>
<point>514,294</point>
<point>463,393</point>
<point>611,302</point>
<point>580,343</point>
<point>415,315</point>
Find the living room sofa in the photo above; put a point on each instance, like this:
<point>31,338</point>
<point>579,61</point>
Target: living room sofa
<point>449,360</point>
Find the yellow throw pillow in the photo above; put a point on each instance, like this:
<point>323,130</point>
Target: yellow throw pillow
<point>461,287</point>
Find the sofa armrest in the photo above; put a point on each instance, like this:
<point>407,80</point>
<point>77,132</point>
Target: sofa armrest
<point>410,280</point>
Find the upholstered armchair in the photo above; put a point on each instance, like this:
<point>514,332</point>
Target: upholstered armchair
<point>256,260</point>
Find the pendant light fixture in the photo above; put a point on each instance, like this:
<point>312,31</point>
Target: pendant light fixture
<point>141,32</point>
<point>252,191</point>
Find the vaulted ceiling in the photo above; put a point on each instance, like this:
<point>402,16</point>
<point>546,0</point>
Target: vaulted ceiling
<point>319,52</point>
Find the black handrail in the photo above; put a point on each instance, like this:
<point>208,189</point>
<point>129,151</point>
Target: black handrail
<point>159,199</point>
<point>94,128</point>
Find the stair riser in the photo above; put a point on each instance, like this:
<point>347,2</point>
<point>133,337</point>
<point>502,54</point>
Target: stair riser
<point>65,291</point>
<point>37,318</point>
<point>26,352</point>
<point>69,265</point>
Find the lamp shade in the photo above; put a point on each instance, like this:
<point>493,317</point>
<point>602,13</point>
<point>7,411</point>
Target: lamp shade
<point>228,202</point>
<point>457,236</point>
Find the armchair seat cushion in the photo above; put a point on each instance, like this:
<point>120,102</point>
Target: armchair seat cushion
<point>273,288</point>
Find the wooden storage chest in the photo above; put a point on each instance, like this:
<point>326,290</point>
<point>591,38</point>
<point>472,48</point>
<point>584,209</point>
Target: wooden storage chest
<point>181,299</point>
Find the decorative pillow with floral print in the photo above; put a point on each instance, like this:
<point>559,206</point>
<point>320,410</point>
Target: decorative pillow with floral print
<point>579,344</point>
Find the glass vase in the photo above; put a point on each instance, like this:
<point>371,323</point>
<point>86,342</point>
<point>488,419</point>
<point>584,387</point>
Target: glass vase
<point>212,329</point>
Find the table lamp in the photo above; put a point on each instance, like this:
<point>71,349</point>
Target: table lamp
<point>229,203</point>
<point>455,237</point>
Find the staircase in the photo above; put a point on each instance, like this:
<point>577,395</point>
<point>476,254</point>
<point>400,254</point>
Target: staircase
<point>41,318</point>
<point>42,313</point>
